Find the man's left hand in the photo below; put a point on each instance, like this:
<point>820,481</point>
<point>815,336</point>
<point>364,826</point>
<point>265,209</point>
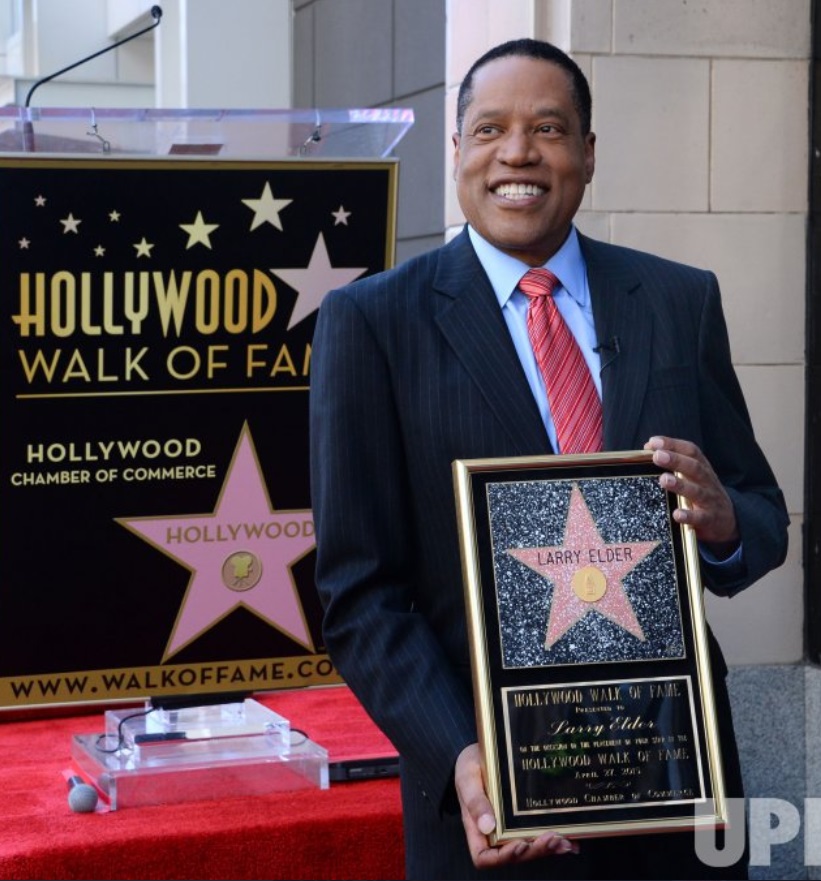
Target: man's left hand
<point>710,511</point>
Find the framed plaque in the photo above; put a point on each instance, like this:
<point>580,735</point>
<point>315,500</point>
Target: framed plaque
<point>588,647</point>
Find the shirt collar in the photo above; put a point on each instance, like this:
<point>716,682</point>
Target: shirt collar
<point>504,271</point>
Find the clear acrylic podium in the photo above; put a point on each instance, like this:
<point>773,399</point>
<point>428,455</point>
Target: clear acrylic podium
<point>236,748</point>
<point>235,134</point>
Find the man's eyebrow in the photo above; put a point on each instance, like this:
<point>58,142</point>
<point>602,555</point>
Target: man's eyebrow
<point>546,112</point>
<point>552,113</point>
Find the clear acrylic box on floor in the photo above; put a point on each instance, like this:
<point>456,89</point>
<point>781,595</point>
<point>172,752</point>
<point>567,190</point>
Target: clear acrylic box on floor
<point>163,756</point>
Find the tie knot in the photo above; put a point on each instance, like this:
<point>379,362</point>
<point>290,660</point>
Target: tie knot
<point>538,282</point>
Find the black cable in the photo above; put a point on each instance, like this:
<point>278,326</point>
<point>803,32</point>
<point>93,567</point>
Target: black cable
<point>120,736</point>
<point>301,736</point>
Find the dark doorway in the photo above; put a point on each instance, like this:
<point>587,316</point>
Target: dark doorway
<point>812,502</point>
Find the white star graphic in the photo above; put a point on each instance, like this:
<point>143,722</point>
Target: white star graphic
<point>143,248</point>
<point>114,216</point>
<point>24,244</point>
<point>199,232</point>
<point>315,280</point>
<point>266,209</point>
<point>39,201</point>
<point>99,251</point>
<point>341,216</point>
<point>70,224</point>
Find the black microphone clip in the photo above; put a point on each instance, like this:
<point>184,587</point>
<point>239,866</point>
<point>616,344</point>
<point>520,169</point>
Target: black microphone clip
<point>611,347</point>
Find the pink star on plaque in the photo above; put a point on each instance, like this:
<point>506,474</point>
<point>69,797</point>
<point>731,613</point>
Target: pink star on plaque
<point>240,555</point>
<point>586,573</point>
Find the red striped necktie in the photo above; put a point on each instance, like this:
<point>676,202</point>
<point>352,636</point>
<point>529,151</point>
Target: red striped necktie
<point>571,393</point>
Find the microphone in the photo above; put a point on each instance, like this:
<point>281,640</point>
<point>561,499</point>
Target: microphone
<point>82,798</point>
<point>156,14</point>
<point>611,347</point>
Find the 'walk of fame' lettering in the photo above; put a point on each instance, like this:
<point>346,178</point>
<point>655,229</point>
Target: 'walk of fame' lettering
<point>68,303</point>
<point>184,363</point>
<point>234,531</point>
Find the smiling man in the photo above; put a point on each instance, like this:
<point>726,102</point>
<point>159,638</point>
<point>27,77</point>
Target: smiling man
<point>453,355</point>
<point>524,155</point>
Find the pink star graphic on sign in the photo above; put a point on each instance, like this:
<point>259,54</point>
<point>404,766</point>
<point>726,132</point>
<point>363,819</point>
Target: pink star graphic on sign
<point>315,280</point>
<point>586,573</point>
<point>240,555</point>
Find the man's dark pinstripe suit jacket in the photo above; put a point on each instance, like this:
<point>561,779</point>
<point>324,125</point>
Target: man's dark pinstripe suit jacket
<point>413,368</point>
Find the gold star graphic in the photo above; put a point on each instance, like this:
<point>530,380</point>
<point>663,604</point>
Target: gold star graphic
<point>70,224</point>
<point>143,248</point>
<point>199,232</point>
<point>266,209</point>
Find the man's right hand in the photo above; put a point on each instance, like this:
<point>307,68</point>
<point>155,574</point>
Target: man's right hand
<point>479,821</point>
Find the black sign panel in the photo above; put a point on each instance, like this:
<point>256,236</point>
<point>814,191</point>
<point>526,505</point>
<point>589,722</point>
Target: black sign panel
<point>155,532</point>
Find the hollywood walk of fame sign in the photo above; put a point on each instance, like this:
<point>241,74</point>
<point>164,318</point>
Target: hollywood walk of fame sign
<point>588,647</point>
<point>156,536</point>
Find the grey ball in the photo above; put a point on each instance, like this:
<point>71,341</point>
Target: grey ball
<point>82,798</point>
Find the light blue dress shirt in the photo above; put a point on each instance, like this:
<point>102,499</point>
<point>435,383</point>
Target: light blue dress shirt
<point>572,300</point>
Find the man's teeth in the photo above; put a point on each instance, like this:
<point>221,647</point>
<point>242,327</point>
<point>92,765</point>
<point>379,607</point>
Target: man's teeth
<point>518,191</point>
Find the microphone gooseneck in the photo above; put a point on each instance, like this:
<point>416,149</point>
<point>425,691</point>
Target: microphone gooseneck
<point>156,14</point>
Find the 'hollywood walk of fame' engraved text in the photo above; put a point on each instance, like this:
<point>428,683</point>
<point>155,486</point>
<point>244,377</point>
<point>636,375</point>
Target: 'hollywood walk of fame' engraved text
<point>593,744</point>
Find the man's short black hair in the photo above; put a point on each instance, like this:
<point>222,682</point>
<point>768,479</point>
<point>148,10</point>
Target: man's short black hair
<point>540,50</point>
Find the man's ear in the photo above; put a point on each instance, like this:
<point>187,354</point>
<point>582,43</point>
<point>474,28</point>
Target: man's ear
<point>456,138</point>
<point>590,156</point>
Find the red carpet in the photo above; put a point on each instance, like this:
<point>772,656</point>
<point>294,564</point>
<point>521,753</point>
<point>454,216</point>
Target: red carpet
<point>352,830</point>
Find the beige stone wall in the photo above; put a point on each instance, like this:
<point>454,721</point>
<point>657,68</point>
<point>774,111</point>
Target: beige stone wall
<point>701,115</point>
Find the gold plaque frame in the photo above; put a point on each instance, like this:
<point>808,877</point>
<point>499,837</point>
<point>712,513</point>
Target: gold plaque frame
<point>589,650</point>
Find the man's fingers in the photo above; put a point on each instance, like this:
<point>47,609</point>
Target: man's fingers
<point>521,851</point>
<point>486,823</point>
<point>479,821</point>
<point>688,473</point>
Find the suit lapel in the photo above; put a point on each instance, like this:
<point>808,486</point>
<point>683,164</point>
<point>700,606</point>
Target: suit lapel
<point>469,317</point>
<point>624,323</point>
